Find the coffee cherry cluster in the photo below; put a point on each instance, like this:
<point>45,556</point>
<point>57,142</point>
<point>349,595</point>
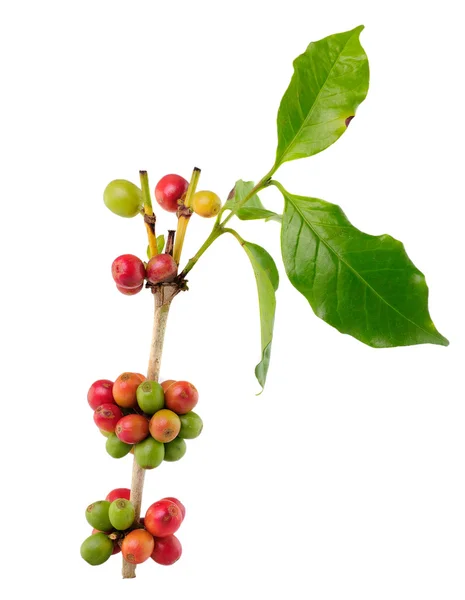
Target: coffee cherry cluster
<point>125,199</point>
<point>116,530</point>
<point>129,272</point>
<point>150,419</point>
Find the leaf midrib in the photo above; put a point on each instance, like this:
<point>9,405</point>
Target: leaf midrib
<point>356,273</point>
<point>287,149</point>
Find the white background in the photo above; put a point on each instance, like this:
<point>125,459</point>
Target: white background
<point>345,479</point>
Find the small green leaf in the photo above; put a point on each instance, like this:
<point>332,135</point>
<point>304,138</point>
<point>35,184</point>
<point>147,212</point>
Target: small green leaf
<point>330,80</point>
<point>253,208</point>
<point>160,243</point>
<point>267,278</point>
<point>361,284</point>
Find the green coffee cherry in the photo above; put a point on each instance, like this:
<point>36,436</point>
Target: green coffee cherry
<point>116,448</point>
<point>149,453</point>
<point>175,450</point>
<point>96,549</point>
<point>191,425</point>
<point>123,198</point>
<point>150,397</point>
<point>121,514</point>
<point>97,515</point>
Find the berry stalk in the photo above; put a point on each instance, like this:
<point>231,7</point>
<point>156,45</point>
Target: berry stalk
<point>163,296</point>
<point>149,217</point>
<point>184,215</point>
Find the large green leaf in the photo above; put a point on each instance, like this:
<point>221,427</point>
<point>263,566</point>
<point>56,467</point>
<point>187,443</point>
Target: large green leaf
<point>267,278</point>
<point>363,285</point>
<point>252,208</point>
<point>330,80</point>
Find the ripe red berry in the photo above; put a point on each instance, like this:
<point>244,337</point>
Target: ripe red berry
<point>137,546</point>
<point>163,518</point>
<point>125,389</point>
<point>181,397</point>
<point>164,426</point>
<point>132,429</point>
<point>169,191</point>
<point>161,268</point>
<point>100,393</point>
<point>166,550</point>
<point>129,291</point>
<point>128,271</point>
<point>118,493</point>
<point>106,416</point>
<point>181,506</point>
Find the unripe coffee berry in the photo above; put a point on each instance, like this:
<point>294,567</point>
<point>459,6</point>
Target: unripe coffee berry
<point>125,389</point>
<point>191,426</point>
<point>97,515</point>
<point>137,546</point>
<point>97,549</point>
<point>115,447</point>
<point>150,397</point>
<point>206,204</point>
<point>123,198</point>
<point>164,425</point>
<point>175,449</point>
<point>121,514</point>
<point>149,453</point>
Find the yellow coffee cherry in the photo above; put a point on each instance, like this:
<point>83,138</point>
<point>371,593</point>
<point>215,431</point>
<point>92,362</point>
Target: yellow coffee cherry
<point>206,204</point>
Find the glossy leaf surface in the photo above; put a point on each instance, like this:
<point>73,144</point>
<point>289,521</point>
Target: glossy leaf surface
<point>330,80</point>
<point>363,285</point>
<point>267,279</point>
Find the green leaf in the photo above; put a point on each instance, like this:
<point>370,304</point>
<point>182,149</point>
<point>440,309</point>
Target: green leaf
<point>330,80</point>
<point>267,278</point>
<point>361,284</point>
<point>252,208</point>
<point>160,243</point>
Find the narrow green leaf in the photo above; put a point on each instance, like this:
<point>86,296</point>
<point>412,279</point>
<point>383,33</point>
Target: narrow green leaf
<point>267,278</point>
<point>160,243</point>
<point>330,80</point>
<point>361,284</point>
<point>253,208</point>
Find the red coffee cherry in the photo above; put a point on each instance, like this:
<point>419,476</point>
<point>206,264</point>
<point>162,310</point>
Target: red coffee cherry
<point>169,191</point>
<point>128,271</point>
<point>129,291</point>
<point>100,393</point>
<point>106,417</point>
<point>132,429</point>
<point>163,518</point>
<point>181,397</point>
<point>162,268</point>
<point>166,550</point>
<point>181,506</point>
<point>118,493</point>
<point>137,546</point>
